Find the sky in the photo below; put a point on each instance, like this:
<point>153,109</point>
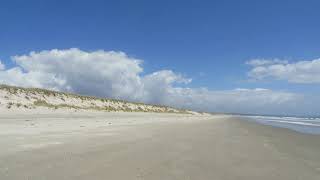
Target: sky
<point>249,56</point>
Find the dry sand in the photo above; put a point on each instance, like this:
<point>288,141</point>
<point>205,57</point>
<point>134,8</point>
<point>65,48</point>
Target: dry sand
<point>151,146</point>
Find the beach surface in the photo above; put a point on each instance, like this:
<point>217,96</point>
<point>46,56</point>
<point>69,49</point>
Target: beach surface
<point>151,146</point>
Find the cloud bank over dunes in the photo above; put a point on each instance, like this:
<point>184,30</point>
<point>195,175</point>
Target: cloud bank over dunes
<point>117,75</point>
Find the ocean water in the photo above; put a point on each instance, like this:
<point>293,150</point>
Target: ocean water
<point>303,125</point>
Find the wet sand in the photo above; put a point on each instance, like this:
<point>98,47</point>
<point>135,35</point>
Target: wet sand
<point>152,146</point>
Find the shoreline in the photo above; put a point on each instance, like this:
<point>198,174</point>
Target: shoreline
<point>246,120</point>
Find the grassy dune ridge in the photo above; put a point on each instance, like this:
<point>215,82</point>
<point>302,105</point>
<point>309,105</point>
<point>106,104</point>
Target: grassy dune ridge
<point>12,97</point>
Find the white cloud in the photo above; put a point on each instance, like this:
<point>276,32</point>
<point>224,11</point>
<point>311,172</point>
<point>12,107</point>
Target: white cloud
<point>158,85</point>
<point>299,72</point>
<point>2,66</point>
<point>116,75</point>
<point>264,62</point>
<point>99,73</point>
<point>237,100</point>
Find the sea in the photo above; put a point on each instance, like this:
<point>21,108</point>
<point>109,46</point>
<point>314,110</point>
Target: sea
<point>308,125</point>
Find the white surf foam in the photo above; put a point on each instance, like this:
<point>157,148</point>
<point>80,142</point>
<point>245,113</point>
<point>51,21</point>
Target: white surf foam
<point>295,122</point>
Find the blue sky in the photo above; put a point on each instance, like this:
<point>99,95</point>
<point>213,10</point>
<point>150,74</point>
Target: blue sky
<point>207,41</point>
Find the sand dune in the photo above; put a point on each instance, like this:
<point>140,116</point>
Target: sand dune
<point>33,100</point>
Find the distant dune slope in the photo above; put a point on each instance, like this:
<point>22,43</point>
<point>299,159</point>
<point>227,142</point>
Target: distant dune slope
<point>12,98</point>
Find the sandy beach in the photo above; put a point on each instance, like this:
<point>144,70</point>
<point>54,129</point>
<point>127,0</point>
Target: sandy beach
<point>118,145</point>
